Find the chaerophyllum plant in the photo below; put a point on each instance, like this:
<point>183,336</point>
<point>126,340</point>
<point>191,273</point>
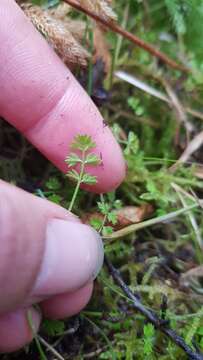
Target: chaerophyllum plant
<point>80,158</point>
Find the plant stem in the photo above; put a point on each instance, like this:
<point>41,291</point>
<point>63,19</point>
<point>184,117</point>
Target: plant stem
<point>131,37</point>
<point>118,47</point>
<point>113,355</point>
<point>31,325</point>
<point>150,315</point>
<point>78,183</point>
<point>50,348</point>
<point>90,66</point>
<point>132,228</point>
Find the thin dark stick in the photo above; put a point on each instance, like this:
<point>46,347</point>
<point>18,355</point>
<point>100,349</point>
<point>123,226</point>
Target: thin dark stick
<point>150,315</point>
<point>133,38</point>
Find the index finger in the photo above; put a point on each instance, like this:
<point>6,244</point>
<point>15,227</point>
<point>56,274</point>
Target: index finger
<point>41,98</point>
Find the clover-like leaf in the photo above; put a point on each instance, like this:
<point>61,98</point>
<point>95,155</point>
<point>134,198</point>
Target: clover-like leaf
<point>72,174</point>
<point>132,144</point>
<point>104,207</point>
<point>92,159</point>
<point>53,327</point>
<point>82,143</point>
<point>89,179</point>
<point>73,159</point>
<point>96,223</point>
<point>112,217</point>
<point>107,230</point>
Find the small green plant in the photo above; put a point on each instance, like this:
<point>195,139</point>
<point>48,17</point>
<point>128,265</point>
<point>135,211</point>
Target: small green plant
<point>106,207</point>
<point>135,105</point>
<point>35,336</point>
<point>81,157</point>
<point>53,327</point>
<point>148,339</point>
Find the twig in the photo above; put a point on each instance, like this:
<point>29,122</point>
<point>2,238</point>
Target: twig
<point>192,147</point>
<point>93,354</point>
<point>50,348</point>
<point>135,227</point>
<point>133,38</point>
<point>182,194</point>
<point>150,315</point>
<point>178,107</point>
<point>140,84</point>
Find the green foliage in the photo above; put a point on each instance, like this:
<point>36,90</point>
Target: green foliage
<point>187,19</point>
<point>151,260</point>
<point>82,144</point>
<point>193,328</point>
<point>148,340</point>
<point>107,210</point>
<point>176,11</point>
<point>132,145</point>
<point>53,184</point>
<point>134,103</point>
<point>53,327</point>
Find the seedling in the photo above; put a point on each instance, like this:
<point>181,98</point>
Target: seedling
<point>80,158</point>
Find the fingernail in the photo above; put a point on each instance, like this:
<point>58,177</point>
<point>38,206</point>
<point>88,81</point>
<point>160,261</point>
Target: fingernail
<point>73,256</point>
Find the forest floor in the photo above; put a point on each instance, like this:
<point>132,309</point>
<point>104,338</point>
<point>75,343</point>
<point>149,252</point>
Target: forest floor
<point>156,115</point>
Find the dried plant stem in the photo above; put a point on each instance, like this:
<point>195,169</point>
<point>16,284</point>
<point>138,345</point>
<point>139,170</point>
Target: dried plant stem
<point>135,227</point>
<point>133,38</point>
<point>179,109</point>
<point>50,348</point>
<point>192,147</point>
<point>140,84</point>
<point>150,315</point>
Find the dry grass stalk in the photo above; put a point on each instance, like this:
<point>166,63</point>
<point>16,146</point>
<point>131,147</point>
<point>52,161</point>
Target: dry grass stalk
<point>192,147</point>
<point>58,35</point>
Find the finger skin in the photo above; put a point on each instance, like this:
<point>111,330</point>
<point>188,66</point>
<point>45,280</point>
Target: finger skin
<point>66,305</point>
<point>22,242</point>
<point>42,99</point>
<point>23,222</point>
<point>15,331</point>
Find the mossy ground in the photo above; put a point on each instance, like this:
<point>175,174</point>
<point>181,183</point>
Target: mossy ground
<point>154,259</point>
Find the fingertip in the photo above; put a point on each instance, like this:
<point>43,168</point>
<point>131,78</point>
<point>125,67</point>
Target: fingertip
<point>15,330</point>
<point>68,304</point>
<point>73,256</point>
<point>42,99</point>
<point>75,114</point>
<point>112,171</point>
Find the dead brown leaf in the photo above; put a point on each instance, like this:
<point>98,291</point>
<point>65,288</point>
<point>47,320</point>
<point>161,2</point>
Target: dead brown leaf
<point>127,215</point>
<point>132,214</point>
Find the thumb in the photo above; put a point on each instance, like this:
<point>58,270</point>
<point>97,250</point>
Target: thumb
<point>45,250</point>
<point>42,99</point>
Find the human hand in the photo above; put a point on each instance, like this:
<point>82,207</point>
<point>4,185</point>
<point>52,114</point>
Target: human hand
<point>47,256</point>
